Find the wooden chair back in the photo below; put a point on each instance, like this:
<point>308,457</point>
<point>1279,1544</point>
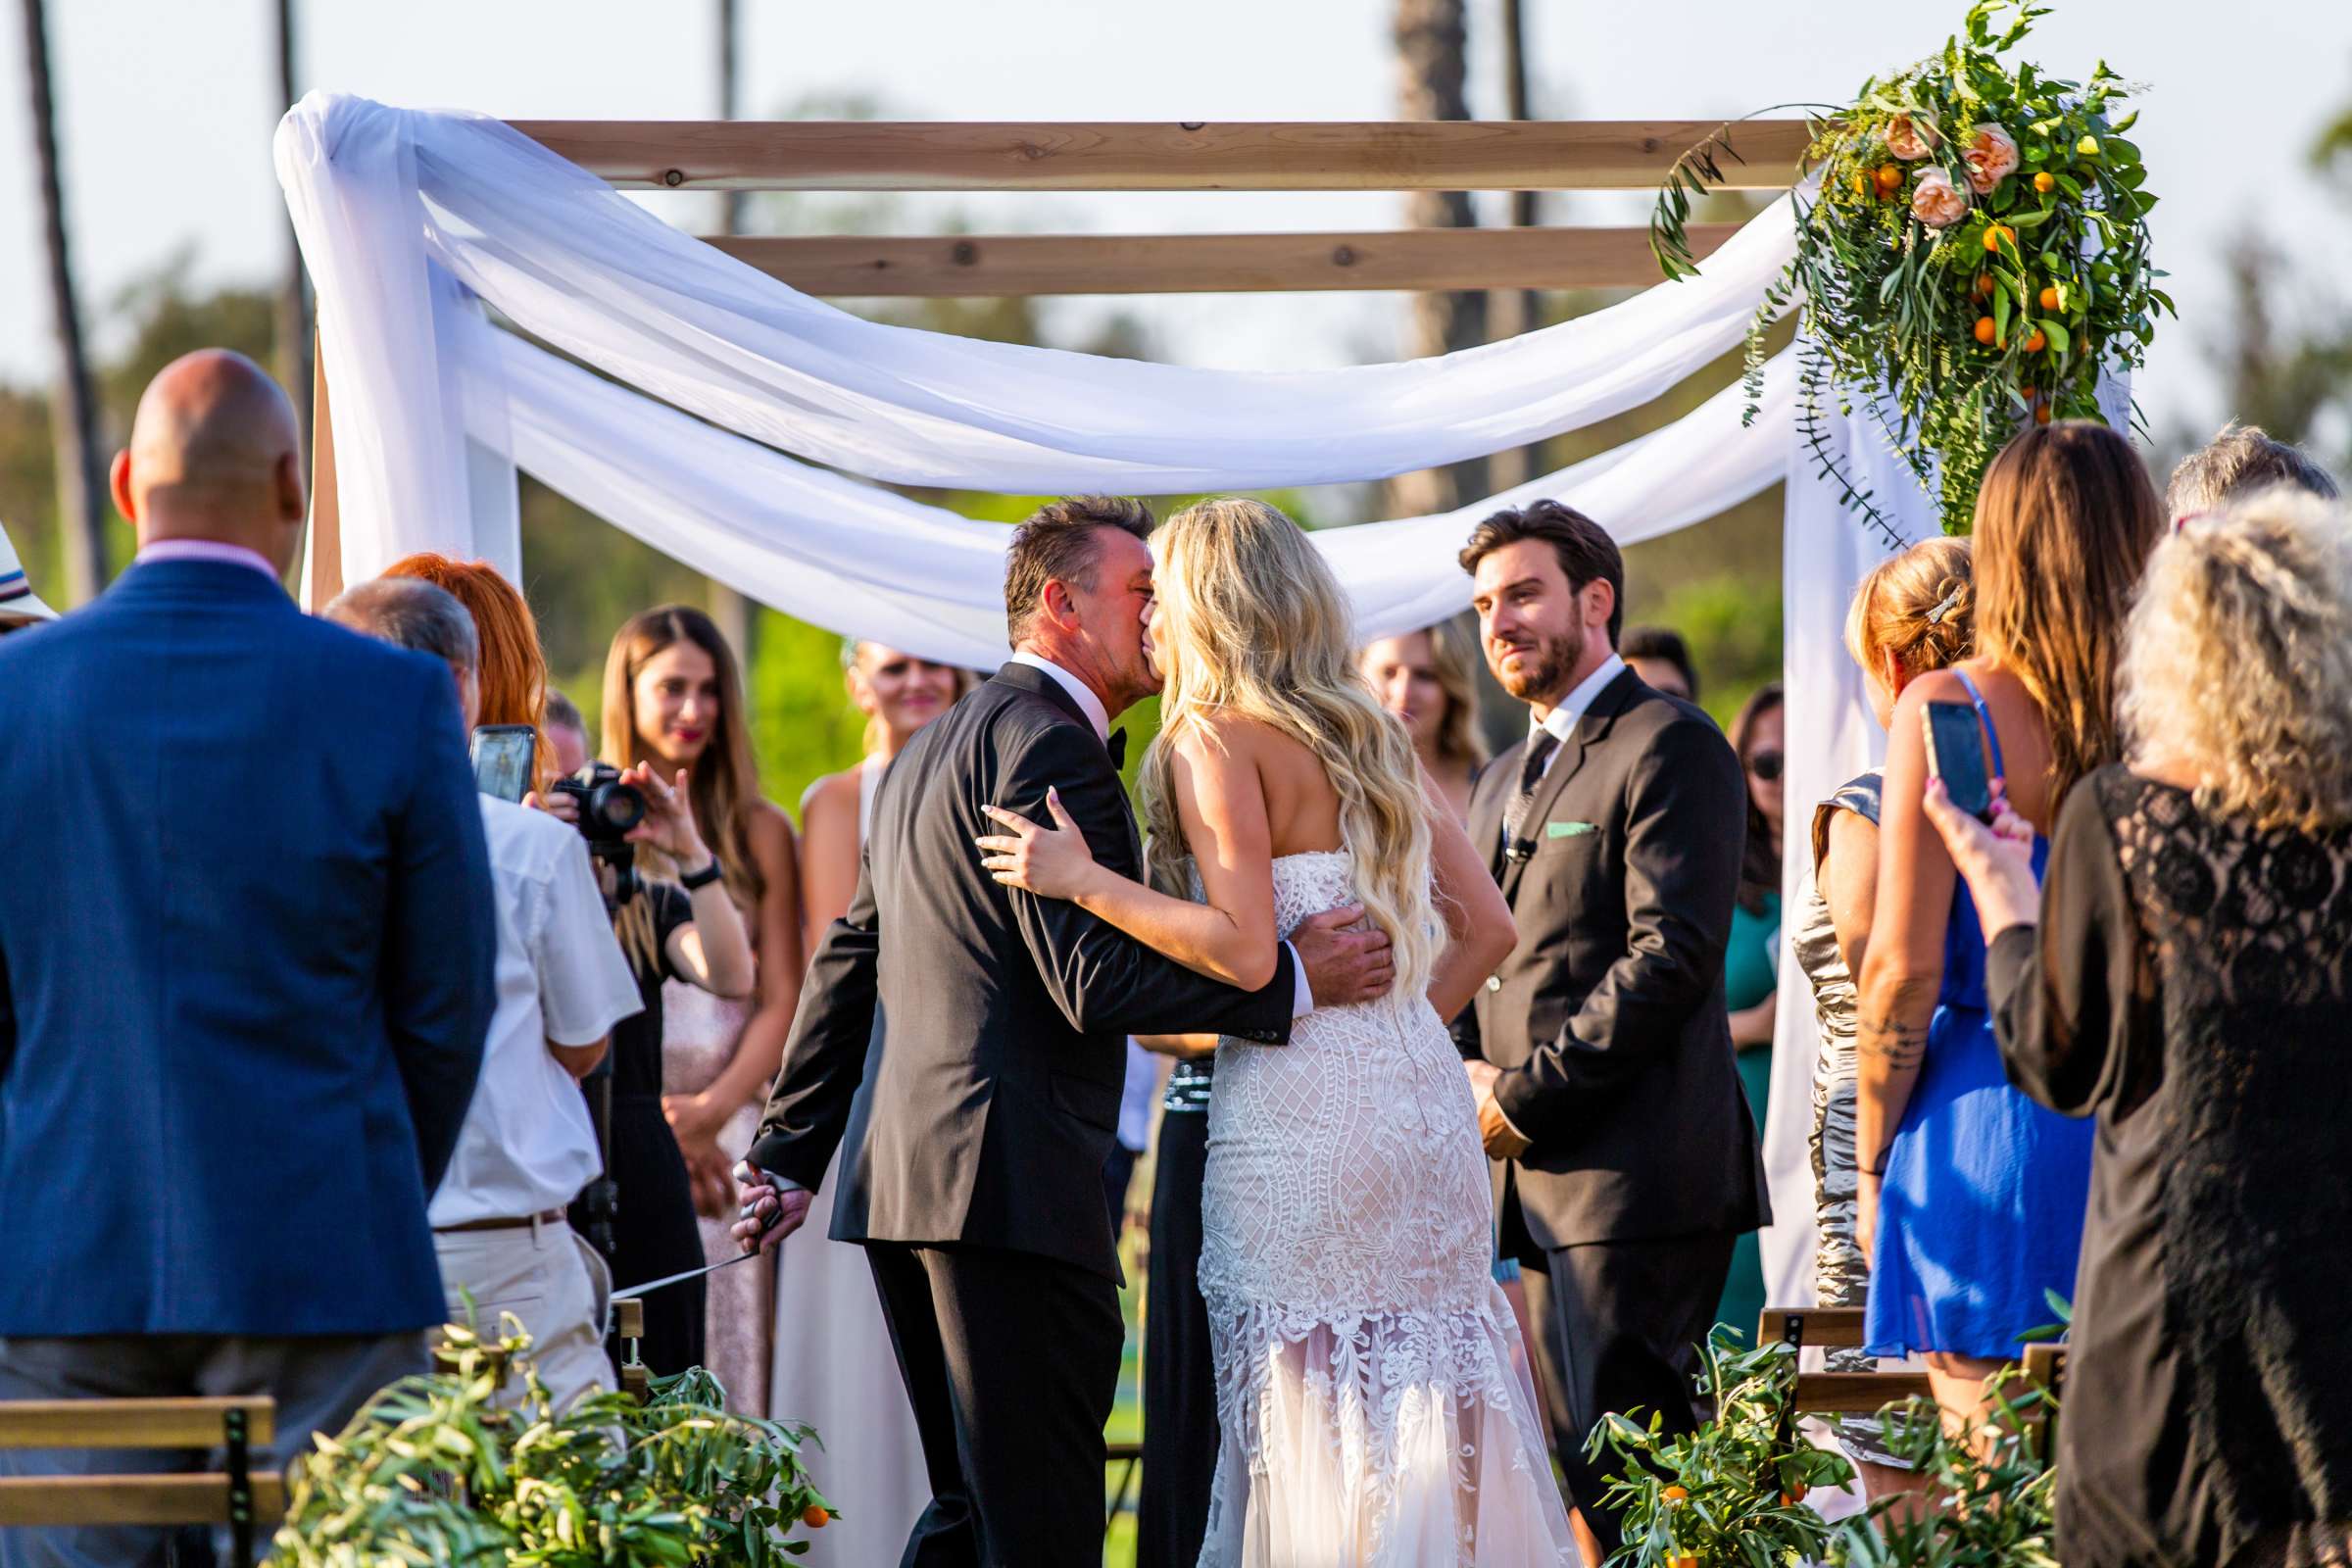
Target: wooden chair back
<point>233,1495</point>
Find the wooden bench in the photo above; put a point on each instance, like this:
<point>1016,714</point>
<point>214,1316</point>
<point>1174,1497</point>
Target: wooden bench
<point>2045,1369</point>
<point>235,1495</point>
<point>1836,1328</point>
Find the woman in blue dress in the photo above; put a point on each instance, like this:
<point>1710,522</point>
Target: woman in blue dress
<point>1970,1196</point>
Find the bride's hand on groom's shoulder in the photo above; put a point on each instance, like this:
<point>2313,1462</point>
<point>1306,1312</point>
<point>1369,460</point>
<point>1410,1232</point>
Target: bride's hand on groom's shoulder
<point>1053,863</point>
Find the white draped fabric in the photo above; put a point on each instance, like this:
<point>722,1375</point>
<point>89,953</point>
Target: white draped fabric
<point>384,198</point>
<point>841,553</point>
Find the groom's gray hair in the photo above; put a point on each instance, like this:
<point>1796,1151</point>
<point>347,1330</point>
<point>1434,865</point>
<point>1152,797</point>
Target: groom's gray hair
<point>1057,545</point>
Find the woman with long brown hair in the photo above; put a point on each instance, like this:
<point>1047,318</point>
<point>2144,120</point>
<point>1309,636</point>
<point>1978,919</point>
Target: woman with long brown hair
<point>673,701</point>
<point>1970,1196</point>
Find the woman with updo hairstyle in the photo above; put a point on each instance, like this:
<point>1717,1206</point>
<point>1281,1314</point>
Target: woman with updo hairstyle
<point>845,1381</point>
<point>513,666</point>
<point>1913,614</point>
<point>1969,1196</point>
<point>2184,981</point>
<point>1429,681</point>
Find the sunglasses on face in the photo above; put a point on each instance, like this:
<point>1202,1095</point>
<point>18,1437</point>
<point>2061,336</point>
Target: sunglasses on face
<point>1766,765</point>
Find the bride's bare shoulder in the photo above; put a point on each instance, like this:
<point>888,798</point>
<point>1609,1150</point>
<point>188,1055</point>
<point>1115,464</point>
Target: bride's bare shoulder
<point>1232,737</point>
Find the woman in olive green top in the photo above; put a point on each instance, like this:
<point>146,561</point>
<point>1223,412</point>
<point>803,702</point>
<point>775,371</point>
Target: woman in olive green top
<point>1750,961</point>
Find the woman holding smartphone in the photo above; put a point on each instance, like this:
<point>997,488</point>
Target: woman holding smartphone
<point>1969,1198</point>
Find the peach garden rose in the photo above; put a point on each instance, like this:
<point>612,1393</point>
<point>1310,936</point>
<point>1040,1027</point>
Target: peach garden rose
<point>1991,156</point>
<point>1908,139</point>
<point>1936,202</point>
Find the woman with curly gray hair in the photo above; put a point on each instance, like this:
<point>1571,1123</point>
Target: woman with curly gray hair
<point>2185,977</point>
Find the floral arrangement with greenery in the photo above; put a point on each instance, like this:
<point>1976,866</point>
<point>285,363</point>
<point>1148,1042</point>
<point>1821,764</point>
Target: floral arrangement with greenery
<point>1974,255</point>
<point>1730,1495</point>
<point>440,1469</point>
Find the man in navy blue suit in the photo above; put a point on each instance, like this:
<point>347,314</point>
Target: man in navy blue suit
<point>245,965</point>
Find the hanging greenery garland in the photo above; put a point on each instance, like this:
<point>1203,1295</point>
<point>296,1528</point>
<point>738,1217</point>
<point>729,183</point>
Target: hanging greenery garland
<point>1974,255</point>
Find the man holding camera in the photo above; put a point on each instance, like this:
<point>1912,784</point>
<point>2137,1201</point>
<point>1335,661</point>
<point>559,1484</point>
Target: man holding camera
<point>526,1147</point>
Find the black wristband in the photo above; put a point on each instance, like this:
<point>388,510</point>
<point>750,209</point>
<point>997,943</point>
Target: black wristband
<point>704,877</point>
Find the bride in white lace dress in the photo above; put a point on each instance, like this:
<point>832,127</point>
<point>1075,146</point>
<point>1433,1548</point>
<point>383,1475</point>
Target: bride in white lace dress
<point>1373,1392</point>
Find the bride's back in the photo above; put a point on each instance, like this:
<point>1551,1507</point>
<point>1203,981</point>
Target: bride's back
<point>1254,639</point>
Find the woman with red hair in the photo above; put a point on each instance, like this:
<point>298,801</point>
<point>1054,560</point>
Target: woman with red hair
<point>514,671</point>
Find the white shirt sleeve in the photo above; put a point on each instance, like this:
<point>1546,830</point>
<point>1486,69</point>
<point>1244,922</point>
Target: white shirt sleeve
<point>1303,995</point>
<point>585,985</point>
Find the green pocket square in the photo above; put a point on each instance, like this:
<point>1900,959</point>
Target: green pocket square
<point>1567,830</point>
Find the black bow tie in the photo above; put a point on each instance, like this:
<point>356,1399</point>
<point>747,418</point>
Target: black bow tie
<point>1117,747</point>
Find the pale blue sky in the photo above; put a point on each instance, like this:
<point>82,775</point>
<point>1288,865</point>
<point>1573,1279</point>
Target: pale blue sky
<point>167,114</point>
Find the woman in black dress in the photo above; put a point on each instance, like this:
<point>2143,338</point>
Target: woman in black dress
<point>2190,985</point>
<point>688,930</point>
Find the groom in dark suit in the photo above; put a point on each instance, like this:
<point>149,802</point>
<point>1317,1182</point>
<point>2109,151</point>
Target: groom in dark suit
<point>970,1042</point>
<point>1627,1157</point>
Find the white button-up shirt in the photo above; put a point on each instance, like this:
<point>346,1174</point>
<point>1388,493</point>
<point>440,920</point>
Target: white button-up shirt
<point>527,1145</point>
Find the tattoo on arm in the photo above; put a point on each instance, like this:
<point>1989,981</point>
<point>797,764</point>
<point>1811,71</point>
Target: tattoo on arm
<point>1891,1039</point>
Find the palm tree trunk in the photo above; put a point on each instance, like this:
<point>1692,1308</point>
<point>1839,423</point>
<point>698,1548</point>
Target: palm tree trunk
<point>730,612</point>
<point>73,412</point>
<point>293,298</point>
<point>1431,37</point>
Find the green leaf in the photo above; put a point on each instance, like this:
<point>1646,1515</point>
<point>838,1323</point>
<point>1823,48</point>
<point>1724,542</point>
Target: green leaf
<point>2000,314</point>
<point>2055,333</point>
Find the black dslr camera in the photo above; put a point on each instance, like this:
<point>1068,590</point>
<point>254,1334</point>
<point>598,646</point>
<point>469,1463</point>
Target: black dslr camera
<point>609,808</point>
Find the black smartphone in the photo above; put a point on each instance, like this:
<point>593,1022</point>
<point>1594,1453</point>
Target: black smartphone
<point>501,760</point>
<point>1956,756</point>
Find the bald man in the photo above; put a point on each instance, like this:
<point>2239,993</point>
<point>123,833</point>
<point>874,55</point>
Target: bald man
<point>245,965</point>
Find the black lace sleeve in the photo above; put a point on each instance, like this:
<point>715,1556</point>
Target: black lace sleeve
<point>2062,991</point>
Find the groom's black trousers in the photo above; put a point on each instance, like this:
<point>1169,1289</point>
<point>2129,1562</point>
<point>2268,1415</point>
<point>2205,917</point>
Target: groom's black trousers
<point>1012,1362</point>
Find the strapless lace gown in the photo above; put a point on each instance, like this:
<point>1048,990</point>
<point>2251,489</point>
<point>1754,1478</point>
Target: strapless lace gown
<point>1373,1395</point>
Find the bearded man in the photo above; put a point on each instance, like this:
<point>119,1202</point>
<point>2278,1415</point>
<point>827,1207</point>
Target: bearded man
<point>1624,1156</point>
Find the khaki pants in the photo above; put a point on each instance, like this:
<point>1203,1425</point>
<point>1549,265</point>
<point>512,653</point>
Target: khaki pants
<point>551,1279</point>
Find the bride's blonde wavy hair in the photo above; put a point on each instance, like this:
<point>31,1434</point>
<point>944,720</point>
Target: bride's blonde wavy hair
<point>1260,629</point>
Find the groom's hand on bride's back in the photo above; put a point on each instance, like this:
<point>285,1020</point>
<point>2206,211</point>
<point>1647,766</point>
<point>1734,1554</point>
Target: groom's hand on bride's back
<point>1348,961</point>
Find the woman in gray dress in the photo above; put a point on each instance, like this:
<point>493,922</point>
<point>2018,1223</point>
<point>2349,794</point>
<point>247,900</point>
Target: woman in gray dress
<point>1913,614</point>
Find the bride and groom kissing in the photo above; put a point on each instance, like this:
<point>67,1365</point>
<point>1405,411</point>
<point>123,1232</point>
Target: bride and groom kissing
<point>1310,899</point>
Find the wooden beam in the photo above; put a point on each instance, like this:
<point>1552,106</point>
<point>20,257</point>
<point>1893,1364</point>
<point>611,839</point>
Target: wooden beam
<point>324,576</point>
<point>1820,1327</point>
<point>1425,259</point>
<point>920,154</point>
<point>1856,1393</point>
<point>130,1422</point>
<point>155,1499</point>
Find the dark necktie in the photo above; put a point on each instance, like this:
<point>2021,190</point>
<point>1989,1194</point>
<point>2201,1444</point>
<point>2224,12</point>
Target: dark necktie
<point>1531,774</point>
<point>1117,747</point>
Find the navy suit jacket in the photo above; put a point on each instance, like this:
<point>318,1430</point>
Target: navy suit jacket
<point>246,963</point>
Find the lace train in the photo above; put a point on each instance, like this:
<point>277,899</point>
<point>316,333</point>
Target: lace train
<point>1391,1439</point>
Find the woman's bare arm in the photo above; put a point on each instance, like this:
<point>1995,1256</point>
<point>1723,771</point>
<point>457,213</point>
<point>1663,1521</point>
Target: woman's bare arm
<point>828,855</point>
<point>1221,803</point>
<point>1479,929</point>
<point>1902,968</point>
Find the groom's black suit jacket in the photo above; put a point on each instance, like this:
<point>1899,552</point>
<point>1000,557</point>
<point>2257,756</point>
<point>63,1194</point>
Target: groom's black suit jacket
<point>970,1038</point>
<point>1609,1015</point>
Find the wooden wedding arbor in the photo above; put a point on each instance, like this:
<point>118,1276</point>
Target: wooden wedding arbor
<point>1190,156</point>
